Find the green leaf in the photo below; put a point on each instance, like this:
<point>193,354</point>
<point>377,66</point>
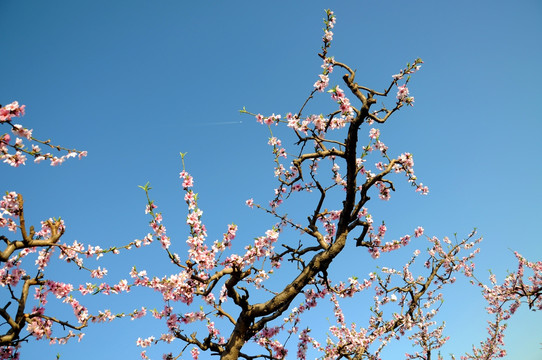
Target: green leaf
<point>146,187</point>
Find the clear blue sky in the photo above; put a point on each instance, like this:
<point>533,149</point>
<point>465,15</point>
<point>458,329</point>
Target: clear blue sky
<point>136,82</point>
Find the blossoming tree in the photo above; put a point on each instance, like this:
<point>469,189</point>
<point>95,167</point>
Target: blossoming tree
<point>259,294</point>
<point>15,313</point>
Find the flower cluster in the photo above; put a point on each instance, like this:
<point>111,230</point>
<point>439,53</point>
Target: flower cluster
<point>327,66</point>
<point>329,23</point>
<point>10,111</point>
<point>403,94</point>
<point>9,206</point>
<point>338,95</point>
<point>19,157</point>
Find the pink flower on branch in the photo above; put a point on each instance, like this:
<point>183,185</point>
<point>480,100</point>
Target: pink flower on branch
<point>19,157</point>
<point>321,84</point>
<point>374,133</point>
<point>10,111</point>
<point>188,181</point>
<point>403,95</point>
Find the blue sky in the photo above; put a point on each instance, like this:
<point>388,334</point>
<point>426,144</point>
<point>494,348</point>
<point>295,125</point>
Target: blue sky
<point>136,82</point>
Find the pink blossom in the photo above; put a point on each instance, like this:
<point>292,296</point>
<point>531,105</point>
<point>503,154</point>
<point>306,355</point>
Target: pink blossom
<point>382,230</point>
<point>273,141</point>
<point>11,110</point>
<point>9,204</point>
<point>98,273</point>
<point>56,161</point>
<point>374,133</point>
<point>165,241</point>
<point>15,160</point>
<point>321,84</point>
<point>21,131</point>
<point>336,93</point>
<point>149,208</point>
<point>273,119</point>
<point>188,181</point>
<point>145,342</point>
<point>424,190</point>
<point>402,93</point>
<point>293,121</point>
